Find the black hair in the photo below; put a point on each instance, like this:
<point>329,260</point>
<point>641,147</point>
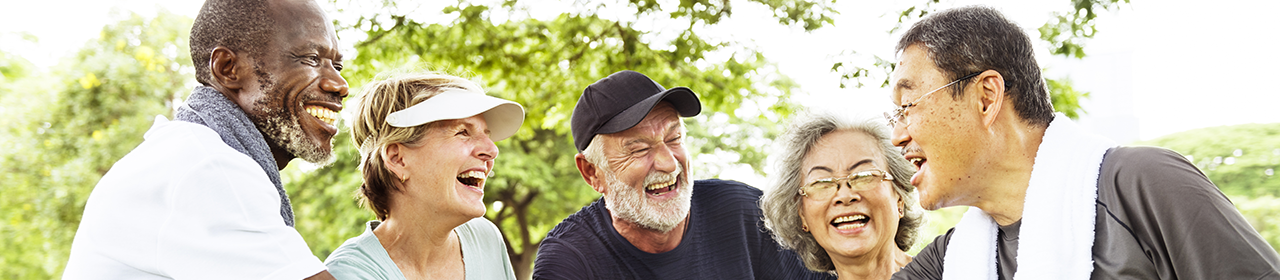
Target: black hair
<point>244,26</point>
<point>972,39</point>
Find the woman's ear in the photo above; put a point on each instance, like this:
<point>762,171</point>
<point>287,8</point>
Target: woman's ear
<point>393,158</point>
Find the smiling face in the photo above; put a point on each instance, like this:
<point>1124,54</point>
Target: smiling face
<point>447,168</point>
<point>647,171</point>
<point>942,137</point>
<point>849,224</point>
<point>298,92</point>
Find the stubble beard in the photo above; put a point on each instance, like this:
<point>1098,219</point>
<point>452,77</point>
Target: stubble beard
<point>282,128</point>
<point>632,204</point>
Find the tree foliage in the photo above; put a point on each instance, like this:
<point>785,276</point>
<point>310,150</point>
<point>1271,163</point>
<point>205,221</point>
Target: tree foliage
<point>64,130</point>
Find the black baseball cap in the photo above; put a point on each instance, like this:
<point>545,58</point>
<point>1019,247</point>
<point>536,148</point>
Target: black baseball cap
<point>620,101</point>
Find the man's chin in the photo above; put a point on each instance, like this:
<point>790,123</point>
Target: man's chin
<point>323,161</point>
<point>318,155</point>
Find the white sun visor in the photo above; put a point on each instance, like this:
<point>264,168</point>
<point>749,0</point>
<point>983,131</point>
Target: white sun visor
<point>503,116</point>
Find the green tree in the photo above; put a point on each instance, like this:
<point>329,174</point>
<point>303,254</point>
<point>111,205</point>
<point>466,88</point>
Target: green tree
<point>67,127</point>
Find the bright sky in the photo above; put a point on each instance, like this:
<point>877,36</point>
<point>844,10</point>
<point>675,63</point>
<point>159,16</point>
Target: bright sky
<point>1155,67</point>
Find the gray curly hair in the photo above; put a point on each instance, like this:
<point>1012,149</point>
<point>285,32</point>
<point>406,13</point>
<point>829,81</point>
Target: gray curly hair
<point>781,202</point>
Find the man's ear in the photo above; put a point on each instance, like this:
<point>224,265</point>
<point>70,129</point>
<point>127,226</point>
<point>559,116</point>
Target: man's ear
<point>590,173</point>
<point>393,159</point>
<point>224,67</point>
<point>991,85</point>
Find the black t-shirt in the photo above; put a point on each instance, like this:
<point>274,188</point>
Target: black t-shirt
<point>724,240</point>
<point>1158,217</point>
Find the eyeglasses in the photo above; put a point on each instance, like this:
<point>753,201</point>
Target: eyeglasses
<point>860,181</point>
<point>899,115</point>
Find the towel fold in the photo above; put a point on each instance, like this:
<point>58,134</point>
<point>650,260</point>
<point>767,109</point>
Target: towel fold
<point>1056,235</point>
<point>206,106</point>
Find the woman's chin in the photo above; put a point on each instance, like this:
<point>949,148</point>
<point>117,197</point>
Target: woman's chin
<point>475,213</point>
<point>470,203</point>
<point>849,246</point>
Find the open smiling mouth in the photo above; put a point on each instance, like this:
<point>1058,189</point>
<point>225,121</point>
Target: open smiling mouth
<point>661,187</point>
<point>850,221</point>
<point>918,162</point>
<point>474,179</point>
<point>323,114</point>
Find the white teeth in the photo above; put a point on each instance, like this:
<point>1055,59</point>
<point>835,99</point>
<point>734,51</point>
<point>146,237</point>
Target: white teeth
<point>845,219</point>
<point>474,179</point>
<point>323,114</point>
<point>916,161</point>
<point>851,226</point>
<point>472,174</point>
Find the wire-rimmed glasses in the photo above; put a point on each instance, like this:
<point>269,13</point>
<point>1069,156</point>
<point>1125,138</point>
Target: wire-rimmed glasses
<point>899,115</point>
<point>858,181</point>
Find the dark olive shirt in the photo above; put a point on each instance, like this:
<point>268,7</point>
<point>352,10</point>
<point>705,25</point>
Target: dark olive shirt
<point>1158,217</point>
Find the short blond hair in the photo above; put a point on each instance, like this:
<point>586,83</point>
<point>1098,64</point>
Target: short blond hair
<point>372,134</point>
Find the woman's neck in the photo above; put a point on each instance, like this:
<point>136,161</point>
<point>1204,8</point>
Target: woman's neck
<point>880,265</point>
<point>421,248</point>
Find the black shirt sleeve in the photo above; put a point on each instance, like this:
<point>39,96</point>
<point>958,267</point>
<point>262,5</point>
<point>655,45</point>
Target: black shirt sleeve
<point>928,263</point>
<point>557,260</point>
<point>1185,226</point>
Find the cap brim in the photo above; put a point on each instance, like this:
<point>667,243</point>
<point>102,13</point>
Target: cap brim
<point>684,100</point>
<point>502,116</point>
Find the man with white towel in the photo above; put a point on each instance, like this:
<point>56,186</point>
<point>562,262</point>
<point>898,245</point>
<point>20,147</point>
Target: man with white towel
<point>1047,199</point>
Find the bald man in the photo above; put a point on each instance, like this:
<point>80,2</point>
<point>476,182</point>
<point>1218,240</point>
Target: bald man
<point>201,197</point>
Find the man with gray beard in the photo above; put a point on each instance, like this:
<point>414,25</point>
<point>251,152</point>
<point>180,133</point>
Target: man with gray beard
<point>201,197</point>
<point>653,222</point>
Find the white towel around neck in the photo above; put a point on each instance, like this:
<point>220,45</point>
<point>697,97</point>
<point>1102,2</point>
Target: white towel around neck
<point>1056,235</point>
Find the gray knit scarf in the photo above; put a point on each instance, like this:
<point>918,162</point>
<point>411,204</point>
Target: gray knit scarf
<point>210,108</point>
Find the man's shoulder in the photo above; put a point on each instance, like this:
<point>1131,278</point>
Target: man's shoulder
<point>725,189</point>
<point>580,228</point>
<point>927,264</point>
<point>575,245</point>
<point>1140,156</point>
<point>1141,170</point>
<point>177,153</point>
<point>184,140</point>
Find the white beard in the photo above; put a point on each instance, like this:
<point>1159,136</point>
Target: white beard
<point>633,205</point>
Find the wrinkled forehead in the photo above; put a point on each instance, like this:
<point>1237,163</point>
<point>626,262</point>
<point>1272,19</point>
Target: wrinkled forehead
<point>298,19</point>
<point>841,152</point>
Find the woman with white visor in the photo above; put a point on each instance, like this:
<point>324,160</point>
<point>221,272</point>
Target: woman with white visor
<point>426,148</point>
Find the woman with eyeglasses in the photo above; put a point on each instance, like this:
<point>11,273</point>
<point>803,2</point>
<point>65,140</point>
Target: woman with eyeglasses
<point>842,199</point>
